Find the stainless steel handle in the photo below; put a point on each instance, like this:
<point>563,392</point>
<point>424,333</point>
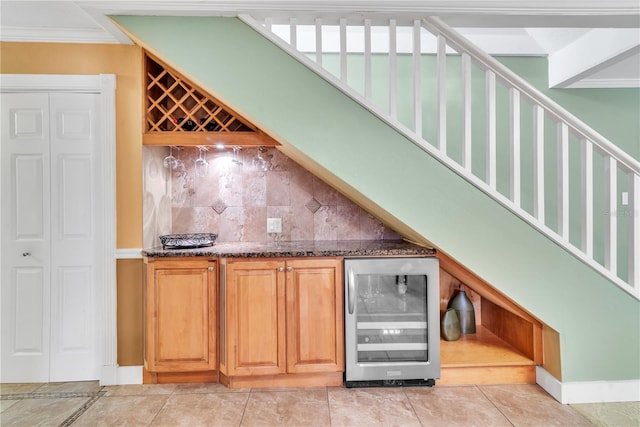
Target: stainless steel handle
<point>26,253</point>
<point>351,291</point>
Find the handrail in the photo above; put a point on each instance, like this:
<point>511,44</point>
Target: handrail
<point>531,92</point>
<point>615,159</point>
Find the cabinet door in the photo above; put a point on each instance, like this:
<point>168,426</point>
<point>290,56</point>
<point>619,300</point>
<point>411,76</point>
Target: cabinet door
<point>255,318</point>
<point>315,332</point>
<point>181,316</point>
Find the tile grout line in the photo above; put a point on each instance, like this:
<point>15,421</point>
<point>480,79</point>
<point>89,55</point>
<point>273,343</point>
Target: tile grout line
<point>81,410</point>
<point>404,391</point>
<point>326,390</point>
<point>47,395</point>
<point>494,404</point>
<point>164,404</point>
<point>244,410</point>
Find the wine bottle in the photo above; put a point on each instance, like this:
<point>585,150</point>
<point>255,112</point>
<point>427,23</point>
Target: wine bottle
<point>187,125</point>
<point>211,126</point>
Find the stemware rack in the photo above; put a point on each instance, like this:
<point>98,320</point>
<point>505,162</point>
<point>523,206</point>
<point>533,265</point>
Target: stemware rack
<point>177,112</point>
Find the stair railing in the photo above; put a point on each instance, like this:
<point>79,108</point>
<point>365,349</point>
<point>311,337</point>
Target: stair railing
<point>589,171</point>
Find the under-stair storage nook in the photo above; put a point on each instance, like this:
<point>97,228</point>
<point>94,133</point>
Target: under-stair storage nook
<point>508,342</point>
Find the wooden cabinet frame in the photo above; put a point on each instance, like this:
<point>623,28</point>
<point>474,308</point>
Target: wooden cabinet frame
<point>180,308</point>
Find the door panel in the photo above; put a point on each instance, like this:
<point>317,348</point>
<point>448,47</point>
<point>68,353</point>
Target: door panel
<point>30,338</point>
<point>183,334</point>
<point>75,325</point>
<point>74,281</point>
<point>29,212</point>
<point>75,198</point>
<point>25,269</point>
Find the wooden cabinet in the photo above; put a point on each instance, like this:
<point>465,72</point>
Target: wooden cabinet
<point>315,316</point>
<point>283,322</point>
<point>180,315</point>
<point>255,326</point>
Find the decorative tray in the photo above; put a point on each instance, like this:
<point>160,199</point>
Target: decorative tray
<point>185,241</point>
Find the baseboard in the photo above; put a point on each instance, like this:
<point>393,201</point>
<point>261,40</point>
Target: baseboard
<point>129,375</point>
<point>588,391</point>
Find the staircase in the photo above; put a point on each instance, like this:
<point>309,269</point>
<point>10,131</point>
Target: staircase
<point>357,139</point>
<point>557,193</point>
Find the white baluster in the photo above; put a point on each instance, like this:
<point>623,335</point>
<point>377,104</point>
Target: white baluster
<point>538,163</point>
<point>367,58</point>
<point>319,41</point>
<point>293,33</point>
<point>417,79</point>
<point>634,231</point>
<point>586,154</point>
<point>343,50</point>
<point>514,139</point>
<point>393,71</point>
<point>611,219</point>
<point>490,81</point>
<point>466,111</point>
<point>563,178</point>
<point>441,76</point>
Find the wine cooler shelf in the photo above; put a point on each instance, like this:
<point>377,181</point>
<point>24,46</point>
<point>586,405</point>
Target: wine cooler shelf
<point>176,107</point>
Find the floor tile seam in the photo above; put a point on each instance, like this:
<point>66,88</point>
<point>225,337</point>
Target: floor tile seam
<point>406,396</point>
<point>51,395</point>
<point>246,403</point>
<point>81,410</point>
<point>494,404</point>
<point>166,400</point>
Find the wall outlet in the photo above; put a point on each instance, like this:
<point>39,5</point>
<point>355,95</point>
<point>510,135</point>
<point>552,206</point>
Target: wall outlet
<point>274,225</point>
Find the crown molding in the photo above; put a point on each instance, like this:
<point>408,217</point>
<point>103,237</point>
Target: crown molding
<point>56,35</point>
<point>539,7</point>
<point>605,84</point>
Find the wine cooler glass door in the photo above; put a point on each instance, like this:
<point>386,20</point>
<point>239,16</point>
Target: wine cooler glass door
<point>391,318</point>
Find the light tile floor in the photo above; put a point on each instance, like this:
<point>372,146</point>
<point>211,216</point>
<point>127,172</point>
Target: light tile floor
<point>193,405</point>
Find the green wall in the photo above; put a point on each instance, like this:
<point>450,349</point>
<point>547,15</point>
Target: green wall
<point>599,324</point>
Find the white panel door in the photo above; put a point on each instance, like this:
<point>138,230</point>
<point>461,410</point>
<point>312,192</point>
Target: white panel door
<point>49,217</point>
<point>74,352</point>
<point>25,268</point>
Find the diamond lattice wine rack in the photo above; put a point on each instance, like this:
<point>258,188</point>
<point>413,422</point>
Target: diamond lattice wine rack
<point>177,112</point>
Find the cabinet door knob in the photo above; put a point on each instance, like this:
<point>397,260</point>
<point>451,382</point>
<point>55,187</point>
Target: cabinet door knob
<point>210,268</point>
<point>280,268</point>
<point>289,268</point>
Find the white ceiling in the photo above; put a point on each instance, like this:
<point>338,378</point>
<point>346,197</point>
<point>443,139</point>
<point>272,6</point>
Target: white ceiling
<point>589,43</point>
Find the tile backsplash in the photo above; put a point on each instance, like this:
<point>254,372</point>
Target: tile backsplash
<point>234,193</point>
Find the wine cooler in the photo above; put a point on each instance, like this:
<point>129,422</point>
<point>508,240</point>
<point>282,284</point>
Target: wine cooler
<point>392,321</point>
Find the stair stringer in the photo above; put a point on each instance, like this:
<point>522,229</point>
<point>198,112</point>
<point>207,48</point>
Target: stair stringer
<point>352,149</point>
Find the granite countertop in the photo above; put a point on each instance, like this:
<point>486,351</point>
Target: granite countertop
<point>346,248</point>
